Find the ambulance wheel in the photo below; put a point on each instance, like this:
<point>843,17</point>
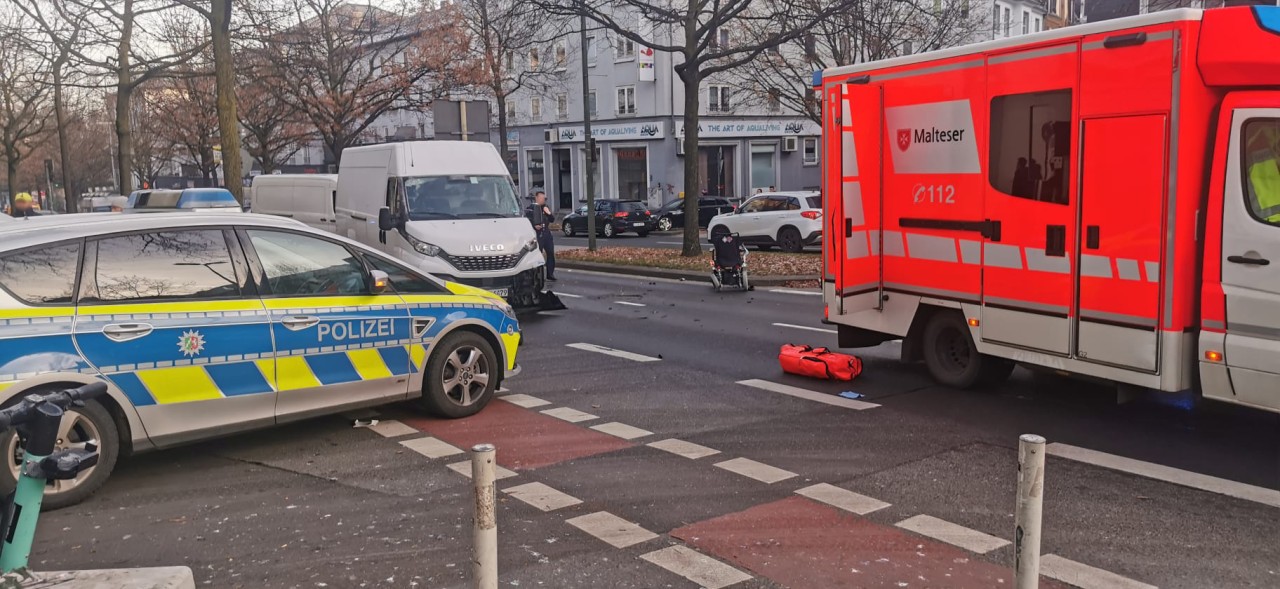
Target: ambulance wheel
<point>460,377</point>
<point>952,357</point>
<point>789,240</point>
<point>79,425</point>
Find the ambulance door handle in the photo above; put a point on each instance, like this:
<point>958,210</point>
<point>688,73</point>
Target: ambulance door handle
<point>1092,237</point>
<point>848,227</point>
<point>1055,241</point>
<point>123,332</point>
<point>298,322</point>
<point>1250,261</point>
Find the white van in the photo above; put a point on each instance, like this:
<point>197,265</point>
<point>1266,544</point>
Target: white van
<point>309,198</point>
<point>448,206</point>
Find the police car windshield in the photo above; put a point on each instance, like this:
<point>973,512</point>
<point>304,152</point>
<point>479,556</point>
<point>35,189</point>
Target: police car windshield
<point>460,197</point>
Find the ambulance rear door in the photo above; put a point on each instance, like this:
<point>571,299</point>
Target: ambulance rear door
<point>856,183</point>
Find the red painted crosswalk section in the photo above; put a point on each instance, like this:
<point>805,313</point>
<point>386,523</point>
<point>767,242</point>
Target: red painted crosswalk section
<point>799,543</point>
<point>525,439</point>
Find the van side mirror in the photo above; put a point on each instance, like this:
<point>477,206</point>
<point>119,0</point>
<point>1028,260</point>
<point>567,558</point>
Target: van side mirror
<point>388,221</point>
<point>378,280</point>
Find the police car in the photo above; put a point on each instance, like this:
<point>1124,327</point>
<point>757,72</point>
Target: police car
<point>204,324</point>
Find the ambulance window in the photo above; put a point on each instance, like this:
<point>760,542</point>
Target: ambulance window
<point>54,266</point>
<point>403,280</point>
<point>168,265</point>
<point>1261,162</point>
<point>301,265</point>
<point>1030,151</point>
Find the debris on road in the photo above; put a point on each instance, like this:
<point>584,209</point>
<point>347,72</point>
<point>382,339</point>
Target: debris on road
<point>851,395</point>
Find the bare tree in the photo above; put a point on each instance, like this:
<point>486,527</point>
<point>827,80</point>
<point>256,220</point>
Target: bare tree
<point>696,43</point>
<point>187,104</point>
<point>273,131</point>
<point>25,98</point>
<point>870,30</point>
<point>218,14</point>
<point>503,34</point>
<point>59,47</point>
<point>344,65</point>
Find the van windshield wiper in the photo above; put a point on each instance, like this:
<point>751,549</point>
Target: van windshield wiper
<point>433,214</point>
<point>488,215</point>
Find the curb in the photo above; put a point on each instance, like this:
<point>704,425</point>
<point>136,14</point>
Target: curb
<point>178,577</point>
<point>688,275</point>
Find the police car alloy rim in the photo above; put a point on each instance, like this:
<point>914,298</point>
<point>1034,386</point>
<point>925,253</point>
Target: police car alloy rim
<point>75,431</point>
<point>465,375</point>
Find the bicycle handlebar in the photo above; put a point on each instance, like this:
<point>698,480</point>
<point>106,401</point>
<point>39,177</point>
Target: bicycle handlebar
<point>21,412</point>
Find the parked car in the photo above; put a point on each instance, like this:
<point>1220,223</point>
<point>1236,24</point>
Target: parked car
<point>671,215</point>
<point>789,220</point>
<point>190,199</point>
<point>310,198</point>
<point>612,217</point>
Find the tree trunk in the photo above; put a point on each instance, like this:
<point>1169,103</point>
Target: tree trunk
<point>692,78</point>
<point>228,123</point>
<point>502,125</point>
<point>124,98</point>
<point>64,152</point>
<point>11,166</point>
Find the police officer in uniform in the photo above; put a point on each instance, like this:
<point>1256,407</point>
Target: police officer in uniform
<point>539,214</point>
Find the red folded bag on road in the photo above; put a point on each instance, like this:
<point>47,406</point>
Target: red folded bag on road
<point>818,362</point>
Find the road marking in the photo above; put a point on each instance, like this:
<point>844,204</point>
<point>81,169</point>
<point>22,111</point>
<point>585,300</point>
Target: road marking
<point>1167,474</point>
<point>392,429</point>
<point>805,327</point>
<point>611,529</point>
<point>795,292</point>
<point>697,567</point>
<point>807,394</point>
<point>956,535</point>
<point>569,415</point>
<point>1085,576</point>
<point>565,294</point>
<point>842,498</point>
<point>629,304</point>
<point>755,470</point>
<point>430,447</point>
<point>464,468</point>
<point>622,430</point>
<point>542,496</point>
<point>525,401</point>
<point>612,352</point>
<point>689,450</point>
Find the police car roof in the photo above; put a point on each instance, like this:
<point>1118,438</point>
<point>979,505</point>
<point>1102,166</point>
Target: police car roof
<point>32,231</point>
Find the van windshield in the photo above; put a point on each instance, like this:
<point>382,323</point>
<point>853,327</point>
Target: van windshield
<point>459,197</point>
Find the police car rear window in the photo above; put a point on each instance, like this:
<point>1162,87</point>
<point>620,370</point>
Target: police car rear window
<point>45,276</point>
<point>163,266</point>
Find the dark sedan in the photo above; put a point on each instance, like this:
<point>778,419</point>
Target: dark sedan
<point>671,215</point>
<point>612,217</point>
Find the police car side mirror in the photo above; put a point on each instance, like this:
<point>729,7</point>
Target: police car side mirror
<point>387,221</point>
<point>378,280</point>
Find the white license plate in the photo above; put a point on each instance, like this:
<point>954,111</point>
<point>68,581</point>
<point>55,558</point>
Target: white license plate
<point>502,292</point>
<point>637,224</point>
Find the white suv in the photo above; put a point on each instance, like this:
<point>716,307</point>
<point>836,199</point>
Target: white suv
<point>789,220</point>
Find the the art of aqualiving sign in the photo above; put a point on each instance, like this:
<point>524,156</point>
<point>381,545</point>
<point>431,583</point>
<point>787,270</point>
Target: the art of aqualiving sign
<point>638,130</point>
<point>721,128</point>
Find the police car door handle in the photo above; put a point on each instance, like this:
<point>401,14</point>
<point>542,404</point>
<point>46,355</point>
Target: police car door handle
<point>298,322</point>
<point>123,332</point>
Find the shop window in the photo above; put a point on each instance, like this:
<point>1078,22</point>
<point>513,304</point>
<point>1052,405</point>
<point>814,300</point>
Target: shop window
<point>810,151</point>
<point>1030,149</point>
<point>537,178</point>
<point>763,170</point>
<point>633,172</point>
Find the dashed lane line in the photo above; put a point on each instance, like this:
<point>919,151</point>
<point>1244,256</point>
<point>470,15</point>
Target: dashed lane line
<point>622,430</point>
<point>842,498</point>
<point>611,529</point>
<point>565,294</point>
<point>804,327</point>
<point>430,447</point>
<point>808,394</point>
<point>1085,576</point>
<point>569,415</point>
<point>697,567</point>
<point>688,450</point>
<point>630,304</point>
<point>526,401</point>
<point>542,497</point>
<point>1167,474</point>
<point>464,468</point>
<point>755,470</point>
<point>956,535</point>
<point>392,429</point>
<point>612,352</point>
<point>795,292</point>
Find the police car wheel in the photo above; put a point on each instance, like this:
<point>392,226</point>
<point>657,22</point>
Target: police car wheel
<point>461,376</point>
<point>91,423</point>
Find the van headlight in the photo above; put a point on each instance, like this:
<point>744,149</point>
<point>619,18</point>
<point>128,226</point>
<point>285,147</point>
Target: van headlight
<point>423,247</point>
<point>532,245</point>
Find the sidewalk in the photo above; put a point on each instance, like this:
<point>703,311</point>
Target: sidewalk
<point>144,578</point>
<point>670,274</point>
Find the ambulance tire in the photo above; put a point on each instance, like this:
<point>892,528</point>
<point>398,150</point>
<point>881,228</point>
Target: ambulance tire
<point>95,417</point>
<point>451,403</point>
<point>952,357</point>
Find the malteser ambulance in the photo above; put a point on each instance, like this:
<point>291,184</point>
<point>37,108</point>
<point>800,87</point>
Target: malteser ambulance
<point>1102,199</point>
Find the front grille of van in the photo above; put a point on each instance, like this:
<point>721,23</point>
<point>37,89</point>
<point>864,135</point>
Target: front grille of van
<point>483,263</point>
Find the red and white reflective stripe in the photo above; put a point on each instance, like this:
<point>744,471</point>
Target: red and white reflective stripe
<point>918,246</point>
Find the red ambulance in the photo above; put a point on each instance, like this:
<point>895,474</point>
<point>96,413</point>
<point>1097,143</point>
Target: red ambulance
<point>1102,199</point>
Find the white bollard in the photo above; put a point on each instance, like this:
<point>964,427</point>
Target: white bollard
<point>485,562</point>
<point>1026,533</point>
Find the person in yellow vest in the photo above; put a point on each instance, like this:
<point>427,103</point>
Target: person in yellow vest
<point>1264,177</point>
<point>22,206</point>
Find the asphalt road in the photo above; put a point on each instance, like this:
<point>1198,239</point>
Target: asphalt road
<point>323,504</point>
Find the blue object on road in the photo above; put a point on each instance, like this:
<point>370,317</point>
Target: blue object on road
<point>851,395</point>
